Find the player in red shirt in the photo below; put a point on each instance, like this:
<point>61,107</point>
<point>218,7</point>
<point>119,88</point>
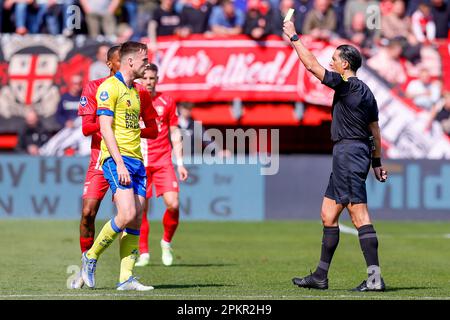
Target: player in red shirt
<point>96,186</point>
<point>160,170</point>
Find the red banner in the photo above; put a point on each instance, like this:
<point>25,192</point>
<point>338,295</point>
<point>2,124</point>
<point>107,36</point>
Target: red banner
<point>211,70</point>
<point>444,51</point>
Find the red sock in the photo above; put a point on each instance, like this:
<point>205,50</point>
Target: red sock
<point>86,243</point>
<point>143,238</point>
<point>170,222</point>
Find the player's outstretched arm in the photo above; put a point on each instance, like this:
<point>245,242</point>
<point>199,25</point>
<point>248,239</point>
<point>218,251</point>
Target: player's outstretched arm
<point>306,57</point>
<point>378,169</point>
<point>111,144</point>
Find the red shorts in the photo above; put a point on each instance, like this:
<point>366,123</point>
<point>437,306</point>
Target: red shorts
<point>163,178</point>
<point>95,185</point>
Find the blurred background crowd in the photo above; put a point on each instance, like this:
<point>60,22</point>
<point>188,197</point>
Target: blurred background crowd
<point>397,37</point>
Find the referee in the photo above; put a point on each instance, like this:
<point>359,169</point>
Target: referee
<point>356,137</point>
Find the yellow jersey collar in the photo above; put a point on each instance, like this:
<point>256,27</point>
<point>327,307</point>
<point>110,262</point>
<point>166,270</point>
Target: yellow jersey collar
<point>119,76</point>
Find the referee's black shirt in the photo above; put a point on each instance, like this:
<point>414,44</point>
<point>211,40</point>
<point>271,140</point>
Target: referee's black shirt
<point>354,107</point>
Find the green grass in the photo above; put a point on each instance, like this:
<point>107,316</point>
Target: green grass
<point>233,260</point>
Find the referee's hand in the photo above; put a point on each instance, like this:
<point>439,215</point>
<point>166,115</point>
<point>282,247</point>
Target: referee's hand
<point>380,174</point>
<point>289,29</point>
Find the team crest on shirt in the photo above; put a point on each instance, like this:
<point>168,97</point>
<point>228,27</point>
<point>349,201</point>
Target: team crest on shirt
<point>83,101</point>
<point>104,96</point>
<point>159,110</point>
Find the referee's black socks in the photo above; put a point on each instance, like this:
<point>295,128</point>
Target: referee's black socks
<point>369,245</point>
<point>330,242</point>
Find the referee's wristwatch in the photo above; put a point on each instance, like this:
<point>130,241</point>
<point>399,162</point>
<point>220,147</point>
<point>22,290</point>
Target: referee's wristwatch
<point>295,37</point>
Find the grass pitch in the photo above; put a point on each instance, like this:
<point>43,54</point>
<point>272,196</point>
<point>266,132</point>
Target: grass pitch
<point>228,260</point>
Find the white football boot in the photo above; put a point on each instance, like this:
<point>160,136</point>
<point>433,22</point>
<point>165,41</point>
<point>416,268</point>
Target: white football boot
<point>143,260</point>
<point>133,284</point>
<point>167,257</point>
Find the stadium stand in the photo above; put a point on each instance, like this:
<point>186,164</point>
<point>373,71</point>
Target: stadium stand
<point>233,80</point>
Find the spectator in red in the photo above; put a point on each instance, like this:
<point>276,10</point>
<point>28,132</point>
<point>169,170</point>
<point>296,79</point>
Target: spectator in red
<point>321,21</point>
<point>195,16</point>
<point>258,19</point>
<point>440,11</point>
<point>423,25</point>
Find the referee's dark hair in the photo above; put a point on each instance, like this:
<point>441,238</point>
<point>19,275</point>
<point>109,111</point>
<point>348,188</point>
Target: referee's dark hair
<point>111,52</point>
<point>351,55</point>
<point>131,47</point>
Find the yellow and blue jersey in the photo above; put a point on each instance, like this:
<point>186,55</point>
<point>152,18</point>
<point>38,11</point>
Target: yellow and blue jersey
<point>116,99</point>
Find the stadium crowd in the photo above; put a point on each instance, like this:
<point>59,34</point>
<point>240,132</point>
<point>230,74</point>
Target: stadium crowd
<point>396,37</point>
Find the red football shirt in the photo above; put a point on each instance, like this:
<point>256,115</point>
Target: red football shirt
<point>88,106</point>
<point>158,152</point>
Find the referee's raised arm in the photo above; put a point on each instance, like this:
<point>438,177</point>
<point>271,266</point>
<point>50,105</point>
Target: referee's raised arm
<point>306,57</point>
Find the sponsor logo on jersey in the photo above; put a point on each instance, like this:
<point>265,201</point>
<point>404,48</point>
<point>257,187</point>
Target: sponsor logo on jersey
<point>160,110</point>
<point>83,101</point>
<point>104,96</point>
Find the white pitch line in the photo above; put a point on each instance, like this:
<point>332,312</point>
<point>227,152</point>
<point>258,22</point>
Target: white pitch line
<point>222,296</point>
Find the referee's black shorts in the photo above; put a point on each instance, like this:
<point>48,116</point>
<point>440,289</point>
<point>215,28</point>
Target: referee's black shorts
<point>351,164</point>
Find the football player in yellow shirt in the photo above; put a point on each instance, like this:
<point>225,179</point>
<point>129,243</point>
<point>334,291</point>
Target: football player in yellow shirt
<point>118,108</point>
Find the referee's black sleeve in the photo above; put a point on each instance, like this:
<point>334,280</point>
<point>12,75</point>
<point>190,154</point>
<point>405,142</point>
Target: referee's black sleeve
<point>332,79</point>
<point>373,111</point>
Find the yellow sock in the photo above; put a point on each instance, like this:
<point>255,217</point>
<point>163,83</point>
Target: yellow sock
<point>129,244</point>
<point>104,239</point>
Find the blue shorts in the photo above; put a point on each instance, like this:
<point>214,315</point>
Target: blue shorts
<point>137,174</point>
<point>351,165</point>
